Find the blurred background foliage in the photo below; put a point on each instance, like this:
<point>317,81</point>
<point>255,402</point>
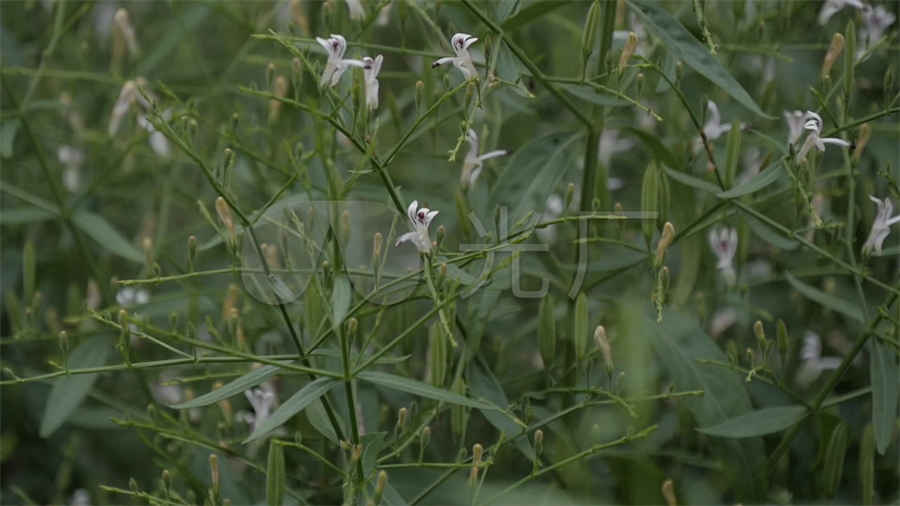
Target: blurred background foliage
<point>85,208</point>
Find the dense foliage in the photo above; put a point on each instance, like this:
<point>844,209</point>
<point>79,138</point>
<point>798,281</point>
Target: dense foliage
<point>449,252</point>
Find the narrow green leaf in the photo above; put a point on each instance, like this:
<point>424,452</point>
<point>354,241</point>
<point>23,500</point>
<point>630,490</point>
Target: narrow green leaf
<point>835,453</point>
<point>108,237</point>
<point>302,398</point>
<point>580,327</point>
<point>24,215</point>
<point>531,12</point>
<point>757,423</point>
<point>234,387</point>
<point>677,39</point>
<point>692,181</point>
<point>547,331</point>
<point>275,474</point>
<point>318,418</point>
<point>755,183</point>
<point>883,372</point>
<point>842,306</point>
<point>732,153</point>
<point>771,236</point>
<point>484,384</point>
<point>372,443</point>
<point>662,154</point>
<point>69,391</point>
<point>341,296</point>
<point>867,465</point>
<point>421,389</point>
<point>8,129</point>
<point>592,95</point>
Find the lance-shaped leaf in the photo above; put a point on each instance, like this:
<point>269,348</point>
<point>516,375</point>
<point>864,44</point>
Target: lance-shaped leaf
<point>757,423</point>
<point>234,387</point>
<point>300,400</point>
<point>421,389</point>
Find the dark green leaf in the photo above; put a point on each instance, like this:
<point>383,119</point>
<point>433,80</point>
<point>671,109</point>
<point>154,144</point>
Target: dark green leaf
<point>8,129</point>
<point>485,385</point>
<point>532,11</point>
<point>275,474</point>
<point>677,39</point>
<point>234,387</point>
<point>302,398</point>
<point>421,389</point>
<point>692,181</point>
<point>341,297</point>
<point>883,372</point>
<point>757,423</point>
<point>842,306</point>
<point>108,237</point>
<point>24,215</point>
<point>69,391</point>
<point>757,182</point>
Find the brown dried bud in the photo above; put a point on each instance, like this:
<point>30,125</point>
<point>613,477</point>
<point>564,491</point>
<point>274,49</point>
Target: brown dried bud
<point>603,345</point>
<point>628,50</point>
<point>668,234</point>
<point>865,132</point>
<point>668,492</point>
<point>837,46</point>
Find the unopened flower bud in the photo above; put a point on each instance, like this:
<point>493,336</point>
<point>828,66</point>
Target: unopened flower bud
<point>759,331</point>
<point>570,195</point>
<point>377,242</point>
<point>834,50</point>
<point>352,326</point>
<point>224,213</point>
<point>420,96</point>
<point>279,89</point>
<point>865,132</point>
<point>668,234</point>
<point>603,345</point>
<point>425,437</point>
<point>668,492</point>
<point>192,250</point>
<point>214,471</point>
<point>538,442</point>
<point>477,453</point>
<point>402,413</point>
<point>125,30</point>
<point>628,50</point>
<point>379,486</point>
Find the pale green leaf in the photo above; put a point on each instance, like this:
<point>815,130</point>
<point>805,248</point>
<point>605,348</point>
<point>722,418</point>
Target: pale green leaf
<point>296,403</point>
<point>755,183</point>
<point>421,389</point>
<point>757,423</point>
<point>108,237</point>
<point>838,304</point>
<point>234,387</point>
<point>69,391</point>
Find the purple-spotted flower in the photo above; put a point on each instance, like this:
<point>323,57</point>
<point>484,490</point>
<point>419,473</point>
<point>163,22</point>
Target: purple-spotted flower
<point>419,219</point>
<point>462,60</point>
<point>876,21</point>
<point>795,120</point>
<point>831,7</point>
<point>881,227</point>
<point>723,242</point>
<point>813,125</point>
<point>473,162</point>
<point>371,67</point>
<point>336,46</point>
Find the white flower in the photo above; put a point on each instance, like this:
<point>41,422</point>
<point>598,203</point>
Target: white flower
<point>554,209</point>
<point>122,105</point>
<point>128,297</point>
<point>714,127</point>
<point>610,144</point>
<point>722,321</point>
<point>462,60</point>
<point>723,242</point>
<point>813,362</point>
<point>813,124</point>
<point>371,67</point>
<point>831,7</point>
<point>881,227</point>
<point>158,141</point>
<point>356,9</point>
<point>875,22</point>
<point>795,120</point>
<point>336,45</point>
<point>72,158</point>
<point>419,219</point>
<point>123,24</point>
<point>81,497</point>
<point>473,162</point>
<point>262,399</point>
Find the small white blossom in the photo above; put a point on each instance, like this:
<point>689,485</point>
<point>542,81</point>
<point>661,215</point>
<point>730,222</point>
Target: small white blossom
<point>813,362</point>
<point>71,158</point>
<point>263,399</point>
<point>336,46</point>
<point>473,162</point>
<point>795,120</point>
<point>831,7</point>
<point>881,227</point>
<point>356,9</point>
<point>875,22</point>
<point>462,60</point>
<point>610,144</point>
<point>419,219</point>
<point>371,67</point>
<point>129,297</point>
<point>713,128</point>
<point>158,141</point>
<point>123,104</point>
<point>723,242</point>
<point>813,125</point>
<point>125,29</point>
